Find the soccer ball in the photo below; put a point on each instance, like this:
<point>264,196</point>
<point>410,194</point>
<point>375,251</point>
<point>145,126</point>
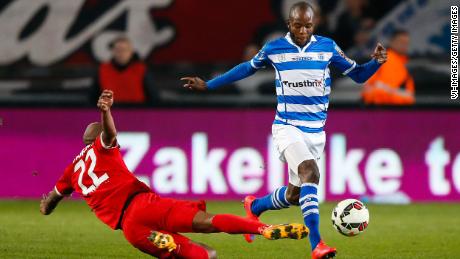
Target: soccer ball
<point>350,217</point>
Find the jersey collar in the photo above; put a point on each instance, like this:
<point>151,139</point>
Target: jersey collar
<point>288,38</point>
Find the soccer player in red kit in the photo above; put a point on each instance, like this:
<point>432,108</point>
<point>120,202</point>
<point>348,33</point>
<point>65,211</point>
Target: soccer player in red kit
<point>149,222</point>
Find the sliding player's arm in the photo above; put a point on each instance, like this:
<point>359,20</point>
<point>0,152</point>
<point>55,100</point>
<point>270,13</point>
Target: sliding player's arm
<point>62,188</point>
<point>238,72</point>
<point>359,73</point>
<point>49,202</point>
<point>109,132</point>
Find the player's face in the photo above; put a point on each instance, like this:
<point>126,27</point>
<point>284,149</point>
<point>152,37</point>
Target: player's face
<point>301,26</point>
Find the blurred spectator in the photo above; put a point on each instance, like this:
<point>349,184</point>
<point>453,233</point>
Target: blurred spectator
<point>358,14</point>
<point>321,22</point>
<point>392,84</point>
<point>362,48</point>
<point>126,75</point>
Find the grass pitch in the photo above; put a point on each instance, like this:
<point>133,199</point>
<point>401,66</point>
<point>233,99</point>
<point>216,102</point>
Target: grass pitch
<point>72,231</point>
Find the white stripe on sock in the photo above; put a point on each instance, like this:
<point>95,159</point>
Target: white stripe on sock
<point>275,205</point>
<point>285,199</point>
<point>274,200</point>
<point>283,205</point>
<point>309,203</point>
<point>308,196</point>
<point>312,211</point>
<point>309,184</point>
<point>278,198</point>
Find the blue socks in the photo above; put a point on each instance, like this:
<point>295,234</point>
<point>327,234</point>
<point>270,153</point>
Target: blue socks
<point>273,201</point>
<point>309,204</point>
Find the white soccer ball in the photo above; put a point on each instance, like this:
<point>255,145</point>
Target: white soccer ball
<point>350,217</point>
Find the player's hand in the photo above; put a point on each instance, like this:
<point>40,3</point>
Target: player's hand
<point>380,53</point>
<point>105,100</point>
<point>44,205</point>
<point>195,83</point>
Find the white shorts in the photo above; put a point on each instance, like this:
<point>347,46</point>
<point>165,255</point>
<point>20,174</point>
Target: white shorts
<point>296,146</point>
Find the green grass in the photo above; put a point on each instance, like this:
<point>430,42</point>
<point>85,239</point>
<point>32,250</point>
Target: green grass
<point>72,231</point>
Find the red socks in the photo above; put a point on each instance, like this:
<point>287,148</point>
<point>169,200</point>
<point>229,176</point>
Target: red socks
<point>236,225</point>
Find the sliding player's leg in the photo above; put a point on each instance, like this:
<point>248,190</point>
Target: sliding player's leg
<point>188,216</point>
<point>208,223</point>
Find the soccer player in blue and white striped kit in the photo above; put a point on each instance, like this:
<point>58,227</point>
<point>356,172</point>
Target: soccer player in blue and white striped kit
<point>303,85</point>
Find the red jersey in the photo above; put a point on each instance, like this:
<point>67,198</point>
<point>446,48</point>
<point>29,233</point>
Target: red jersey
<point>99,174</point>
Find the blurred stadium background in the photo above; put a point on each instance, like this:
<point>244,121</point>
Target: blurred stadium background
<point>217,145</point>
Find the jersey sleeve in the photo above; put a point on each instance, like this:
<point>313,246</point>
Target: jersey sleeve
<point>64,184</point>
<point>340,60</point>
<point>260,60</point>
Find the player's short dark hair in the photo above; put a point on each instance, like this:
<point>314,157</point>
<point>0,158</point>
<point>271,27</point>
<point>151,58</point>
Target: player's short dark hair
<point>398,32</point>
<point>303,6</point>
<point>121,38</point>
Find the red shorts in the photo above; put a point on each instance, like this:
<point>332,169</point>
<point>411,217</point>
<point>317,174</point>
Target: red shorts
<point>148,211</point>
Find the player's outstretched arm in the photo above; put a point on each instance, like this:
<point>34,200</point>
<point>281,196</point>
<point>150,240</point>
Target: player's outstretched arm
<point>109,132</point>
<point>361,73</point>
<point>239,72</point>
<point>49,202</point>
<point>195,83</point>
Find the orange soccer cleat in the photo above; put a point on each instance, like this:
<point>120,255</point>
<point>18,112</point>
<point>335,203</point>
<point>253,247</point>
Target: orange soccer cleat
<point>292,231</point>
<point>322,251</point>
<point>162,241</point>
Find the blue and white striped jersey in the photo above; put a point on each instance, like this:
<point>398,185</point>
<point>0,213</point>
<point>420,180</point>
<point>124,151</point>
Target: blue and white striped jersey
<point>303,83</point>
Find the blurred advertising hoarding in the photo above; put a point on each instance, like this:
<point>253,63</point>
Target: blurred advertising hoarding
<point>227,154</point>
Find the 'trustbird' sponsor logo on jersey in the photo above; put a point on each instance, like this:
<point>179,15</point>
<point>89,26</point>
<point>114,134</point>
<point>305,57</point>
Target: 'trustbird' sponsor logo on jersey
<point>305,83</point>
